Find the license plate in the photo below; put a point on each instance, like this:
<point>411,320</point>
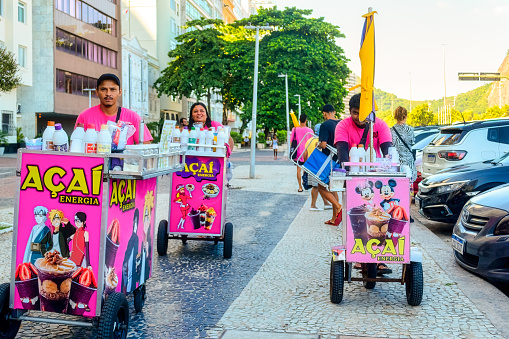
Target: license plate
<point>418,203</point>
<point>458,244</point>
<point>432,158</point>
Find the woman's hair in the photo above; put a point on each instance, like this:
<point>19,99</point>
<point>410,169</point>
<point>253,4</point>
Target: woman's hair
<point>208,122</point>
<point>400,113</point>
<point>83,217</point>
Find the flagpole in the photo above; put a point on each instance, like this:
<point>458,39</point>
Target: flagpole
<point>372,154</point>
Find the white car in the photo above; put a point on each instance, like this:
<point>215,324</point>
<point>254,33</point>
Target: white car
<point>466,143</point>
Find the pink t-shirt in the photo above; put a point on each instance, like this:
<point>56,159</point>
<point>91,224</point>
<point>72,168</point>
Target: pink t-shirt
<point>94,115</point>
<point>298,133</point>
<point>347,130</point>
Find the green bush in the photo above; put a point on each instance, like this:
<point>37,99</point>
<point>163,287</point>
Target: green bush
<point>3,138</point>
<point>281,137</point>
<point>20,137</point>
<point>237,138</point>
<point>261,138</point>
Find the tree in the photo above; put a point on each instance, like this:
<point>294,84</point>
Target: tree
<point>9,77</point>
<point>198,66</point>
<point>420,116</point>
<point>305,49</point>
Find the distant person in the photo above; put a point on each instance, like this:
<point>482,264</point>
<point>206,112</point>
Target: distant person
<point>299,134</point>
<point>403,139</point>
<point>274,146</point>
<point>183,122</point>
<point>246,140</point>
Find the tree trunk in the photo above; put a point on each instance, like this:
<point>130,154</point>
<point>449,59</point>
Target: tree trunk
<point>225,114</point>
<point>208,102</point>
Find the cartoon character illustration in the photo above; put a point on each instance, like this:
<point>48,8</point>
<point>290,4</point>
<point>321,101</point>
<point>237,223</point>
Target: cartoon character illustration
<point>181,198</point>
<point>62,231</point>
<point>131,258</point>
<point>146,247</point>
<point>387,194</point>
<point>80,249</point>
<point>367,193</point>
<point>40,240</point>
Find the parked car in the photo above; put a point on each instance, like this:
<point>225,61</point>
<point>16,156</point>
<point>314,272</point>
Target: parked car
<point>466,143</point>
<point>442,196</point>
<point>480,238</point>
<point>420,135</point>
<point>418,158</point>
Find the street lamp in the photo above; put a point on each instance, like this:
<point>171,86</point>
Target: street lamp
<point>287,111</point>
<point>89,95</point>
<point>255,95</point>
<point>298,95</point>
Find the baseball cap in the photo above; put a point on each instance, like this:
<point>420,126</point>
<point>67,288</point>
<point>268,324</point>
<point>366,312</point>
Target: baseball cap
<point>108,76</point>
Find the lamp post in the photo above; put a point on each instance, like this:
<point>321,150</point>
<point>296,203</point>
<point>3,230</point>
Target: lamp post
<point>298,95</point>
<point>255,96</point>
<point>89,95</point>
<point>287,110</point>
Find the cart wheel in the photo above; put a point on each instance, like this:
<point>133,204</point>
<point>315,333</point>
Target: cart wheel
<point>162,238</point>
<point>216,241</point>
<point>371,269</point>
<point>414,283</point>
<point>337,281</point>
<point>114,320</point>
<point>228,240</point>
<point>184,239</point>
<point>140,295</point>
<point>8,327</point>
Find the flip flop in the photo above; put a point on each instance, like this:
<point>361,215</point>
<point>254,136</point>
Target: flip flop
<point>327,207</point>
<point>300,190</point>
<point>315,209</point>
<point>383,269</point>
<point>339,217</point>
<point>330,222</point>
<point>357,266</point>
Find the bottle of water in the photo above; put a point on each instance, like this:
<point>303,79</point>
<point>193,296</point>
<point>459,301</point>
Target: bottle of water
<point>184,139</point>
<point>104,140</point>
<point>60,139</point>
<point>193,135</point>
<point>77,139</point>
<point>354,157</point>
<point>47,137</point>
<point>362,157</point>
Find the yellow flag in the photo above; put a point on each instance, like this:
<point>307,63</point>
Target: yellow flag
<point>294,119</point>
<point>367,56</point>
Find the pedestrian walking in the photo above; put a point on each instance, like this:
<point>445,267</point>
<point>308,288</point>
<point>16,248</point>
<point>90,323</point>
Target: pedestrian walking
<point>274,145</point>
<point>298,134</point>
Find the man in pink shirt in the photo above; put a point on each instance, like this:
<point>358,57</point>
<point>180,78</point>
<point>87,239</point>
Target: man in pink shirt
<point>299,133</point>
<point>350,131</point>
<point>108,90</point>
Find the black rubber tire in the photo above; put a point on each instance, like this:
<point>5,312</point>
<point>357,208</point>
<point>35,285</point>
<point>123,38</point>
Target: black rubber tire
<point>337,281</point>
<point>184,239</point>
<point>371,269</point>
<point>8,327</point>
<point>228,240</point>
<point>414,283</point>
<point>114,319</point>
<point>162,238</point>
<point>139,298</point>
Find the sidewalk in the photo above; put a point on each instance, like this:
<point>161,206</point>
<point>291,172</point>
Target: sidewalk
<point>290,292</point>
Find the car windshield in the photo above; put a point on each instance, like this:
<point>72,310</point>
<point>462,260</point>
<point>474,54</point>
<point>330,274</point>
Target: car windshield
<point>504,160</point>
<point>448,137</point>
<point>424,142</point>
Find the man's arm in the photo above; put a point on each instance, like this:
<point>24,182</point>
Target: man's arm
<point>342,148</point>
<point>384,147</point>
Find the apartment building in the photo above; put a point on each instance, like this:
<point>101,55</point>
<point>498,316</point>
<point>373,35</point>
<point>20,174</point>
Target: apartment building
<point>16,37</point>
<point>352,80</point>
<point>74,42</point>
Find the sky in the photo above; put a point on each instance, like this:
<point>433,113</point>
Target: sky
<point>412,37</point>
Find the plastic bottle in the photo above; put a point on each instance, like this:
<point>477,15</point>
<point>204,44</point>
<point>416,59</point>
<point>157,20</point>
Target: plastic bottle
<point>184,139</point>
<point>104,140</point>
<point>47,137</point>
<point>176,136</point>
<point>193,135</point>
<point>60,139</point>
<point>354,157</point>
<point>201,140</point>
<point>209,139</point>
<point>90,139</point>
<point>362,157</point>
<point>77,139</point>
<point>214,142</point>
<point>221,140</point>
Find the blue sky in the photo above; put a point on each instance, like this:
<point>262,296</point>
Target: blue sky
<point>410,36</point>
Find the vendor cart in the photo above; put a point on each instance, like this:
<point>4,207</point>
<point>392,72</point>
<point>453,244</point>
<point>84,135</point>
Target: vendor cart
<point>82,239</point>
<point>376,223</point>
<point>198,195</point>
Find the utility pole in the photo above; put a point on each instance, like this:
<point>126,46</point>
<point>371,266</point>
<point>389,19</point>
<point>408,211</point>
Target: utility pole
<point>410,91</point>
<point>445,86</point>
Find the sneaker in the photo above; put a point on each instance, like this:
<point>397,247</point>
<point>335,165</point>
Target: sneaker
<point>327,207</point>
<point>315,209</point>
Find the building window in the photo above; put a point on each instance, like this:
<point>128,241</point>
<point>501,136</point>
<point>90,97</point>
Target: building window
<point>88,14</point>
<point>72,83</point>
<point>1,7</point>
<point>173,5</point>
<point>21,12</point>
<point>8,123</point>
<point>22,56</point>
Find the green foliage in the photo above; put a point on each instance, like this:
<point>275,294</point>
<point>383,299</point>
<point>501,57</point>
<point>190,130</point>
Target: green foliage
<point>261,137</point>
<point>9,71</point>
<point>155,129</point>
<point>3,138</point>
<point>281,136</point>
<point>237,138</point>
<point>421,116</point>
<point>20,137</point>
